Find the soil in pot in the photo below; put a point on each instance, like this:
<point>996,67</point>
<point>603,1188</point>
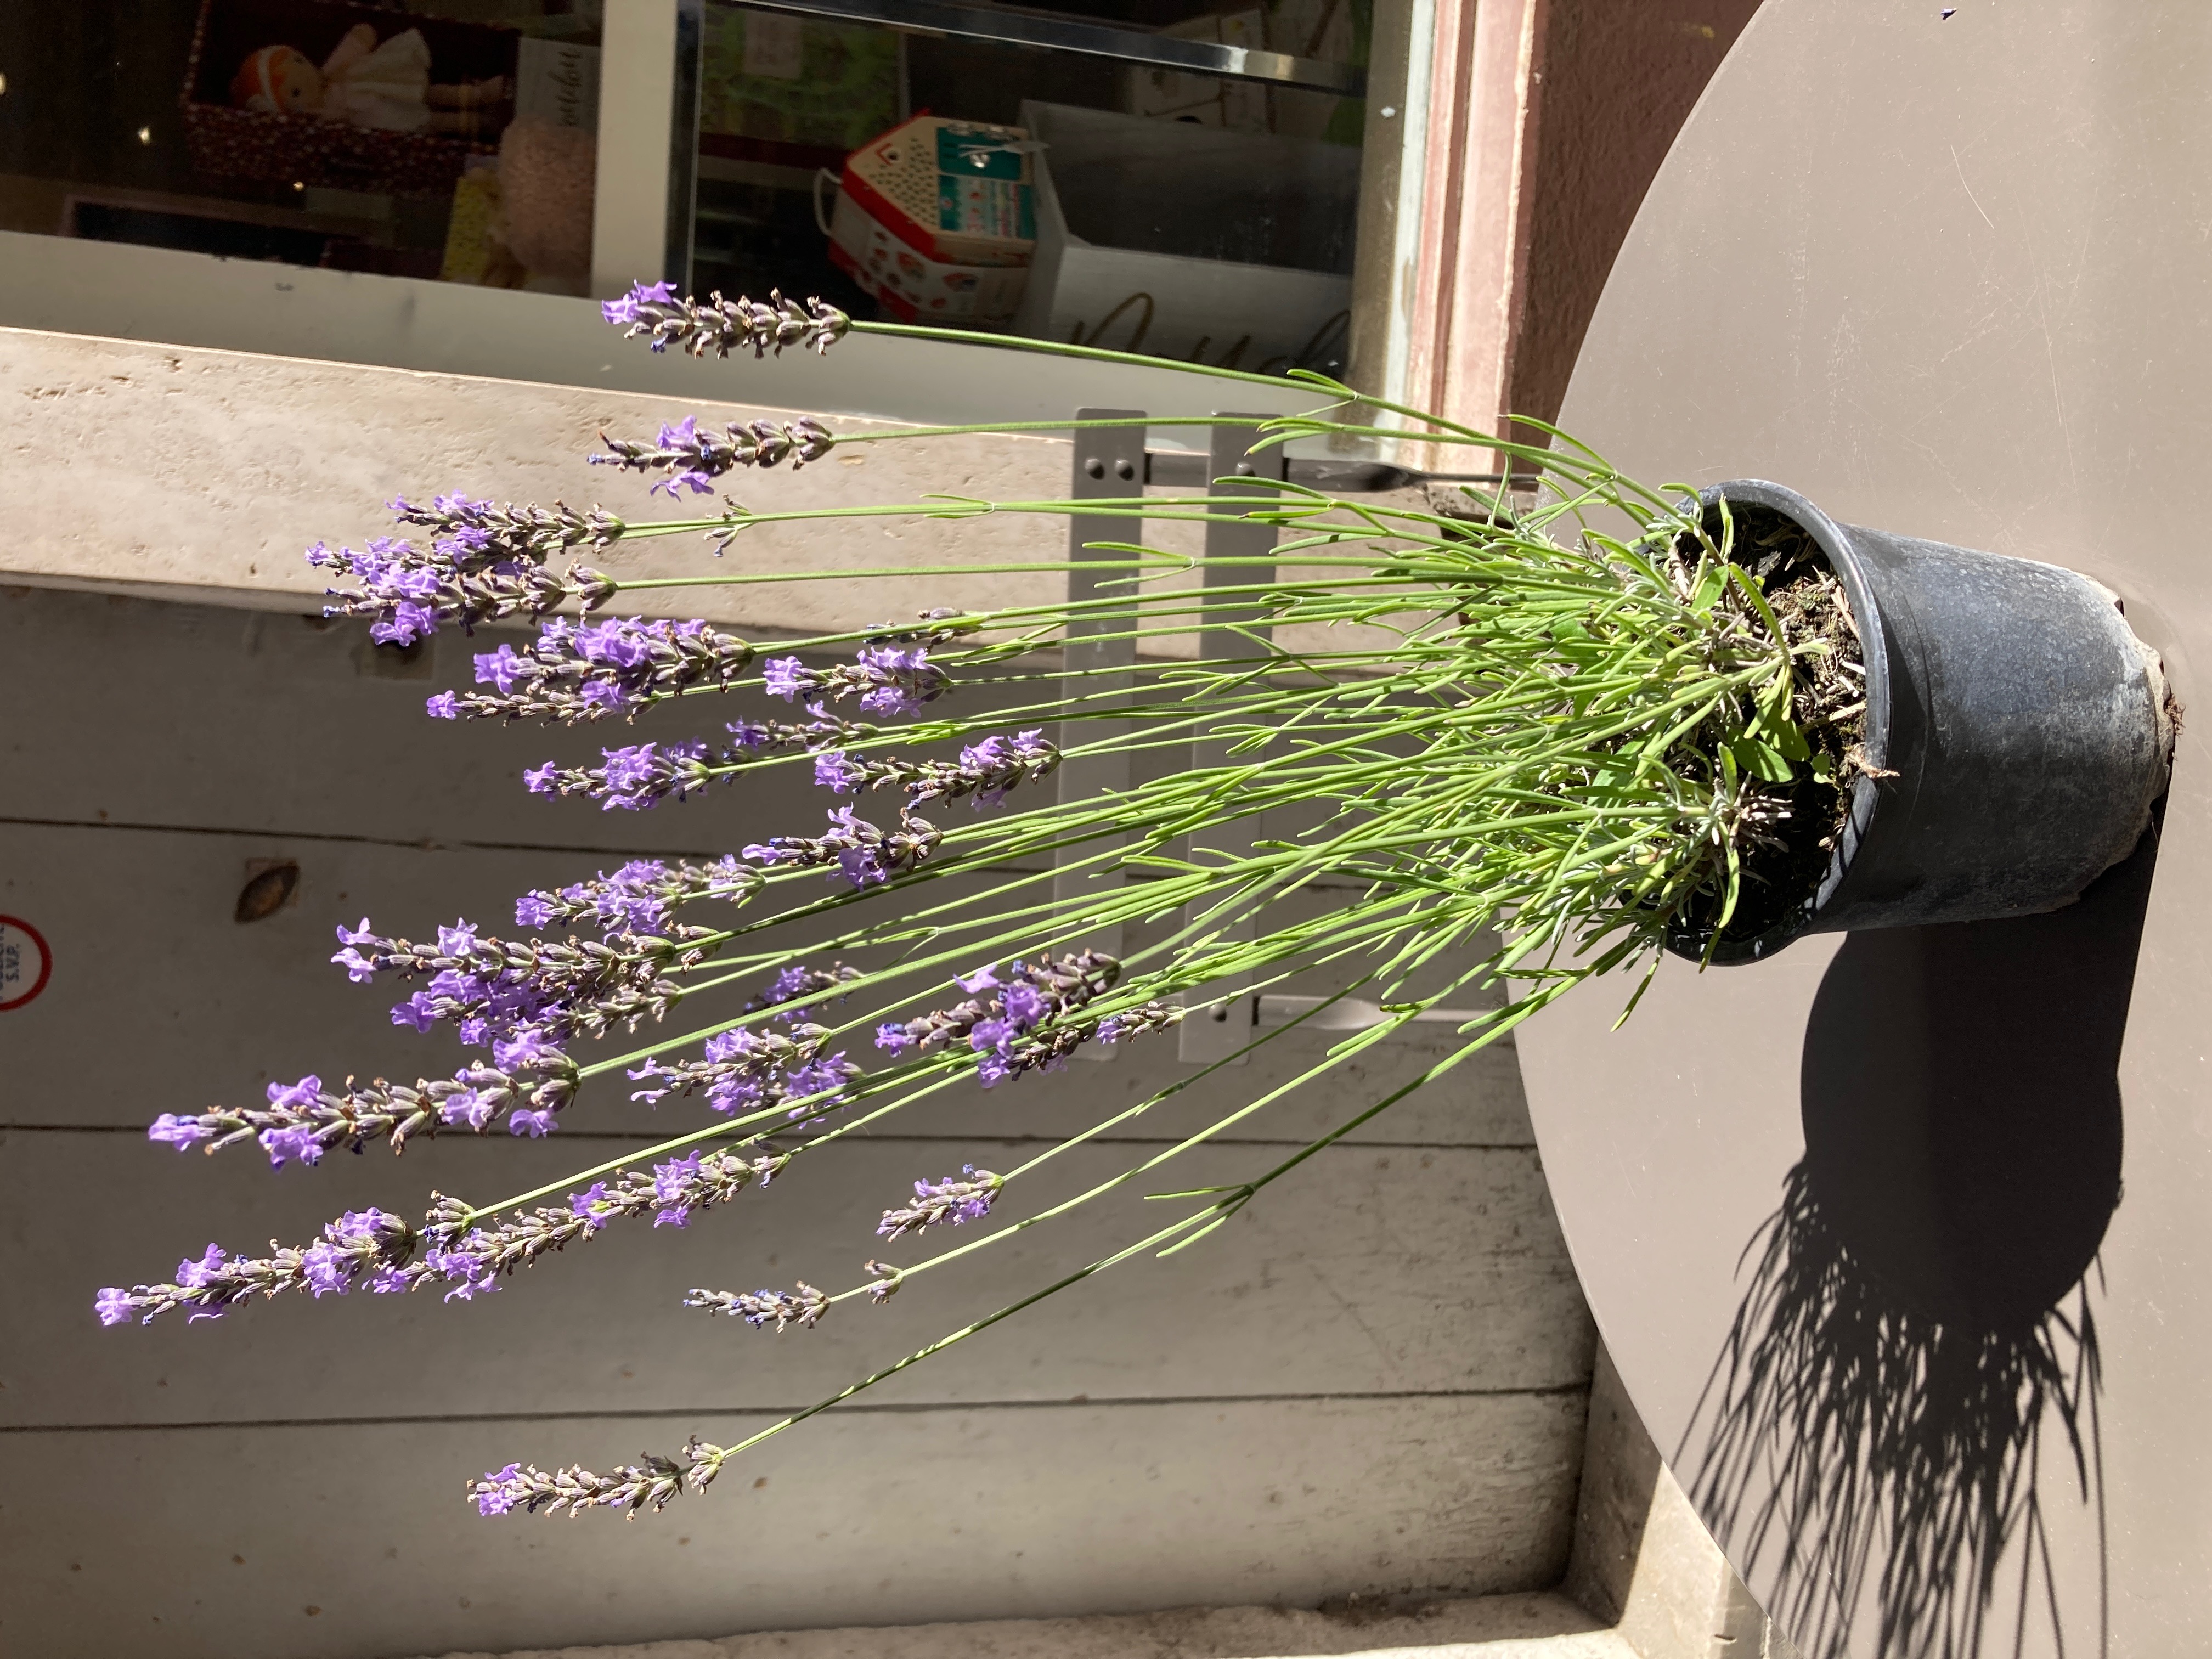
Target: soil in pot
<point>1787,849</point>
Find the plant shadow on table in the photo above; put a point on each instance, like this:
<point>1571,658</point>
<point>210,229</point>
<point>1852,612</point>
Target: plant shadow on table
<point>1910,1384</point>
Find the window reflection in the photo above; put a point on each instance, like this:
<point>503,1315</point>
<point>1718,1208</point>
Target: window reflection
<point>1061,186</point>
<point>1175,177</point>
<point>452,140</point>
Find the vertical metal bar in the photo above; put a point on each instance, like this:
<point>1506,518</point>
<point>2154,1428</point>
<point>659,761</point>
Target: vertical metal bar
<point>1218,1030</point>
<point>1109,465</point>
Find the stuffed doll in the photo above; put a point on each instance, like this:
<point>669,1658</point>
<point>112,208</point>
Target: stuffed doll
<point>386,87</point>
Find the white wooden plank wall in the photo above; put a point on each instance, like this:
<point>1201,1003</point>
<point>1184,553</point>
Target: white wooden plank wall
<point>1374,1381</point>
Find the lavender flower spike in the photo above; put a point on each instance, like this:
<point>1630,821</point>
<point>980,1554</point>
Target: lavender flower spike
<point>647,1485</point>
<point>747,1071</point>
<point>947,1202</point>
<point>722,326</point>
<point>644,775</point>
<point>573,674</point>
<point>785,992</point>
<point>985,770</point>
<point>379,1248</point>
<point>303,1120</point>
<point>759,1308</point>
<point>1001,1018</point>
<point>690,456</point>
<point>638,897</point>
<point>890,680</point>
<point>369,1241</point>
<point>864,854</point>
<point>486,533</point>
<point>496,990</point>
<point>483,561</point>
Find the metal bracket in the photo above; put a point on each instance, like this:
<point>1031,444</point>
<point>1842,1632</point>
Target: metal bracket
<point>1208,1034</point>
<point>1110,465</point>
<point>1185,469</point>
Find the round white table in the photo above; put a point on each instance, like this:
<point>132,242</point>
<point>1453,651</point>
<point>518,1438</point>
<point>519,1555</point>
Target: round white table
<point>1903,1242</point>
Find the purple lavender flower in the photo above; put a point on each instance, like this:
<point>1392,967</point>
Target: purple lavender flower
<point>1025,1005</point>
<point>783,992</point>
<point>722,326</point>
<point>114,1306</point>
<point>999,1021</point>
<point>985,770</point>
<point>759,1308</point>
<point>789,678</point>
<point>747,1071</point>
<point>294,1142</point>
<point>302,1125</point>
<point>864,855</point>
<point>820,1077</point>
<point>1140,1021</point>
<point>483,561</point>
<point>948,1202</point>
<point>500,1491</point>
<point>689,457</point>
<point>634,1487</point>
<point>178,1131</point>
<point>207,1270</point>
<point>890,680</point>
<point>643,776</point>
<point>593,1205</point>
<point>572,674</point>
<point>897,680</point>
<point>357,1241</point>
<point>989,768</point>
<point>472,1108</point>
<point>404,624</point>
<point>624,311</point>
<point>840,776</point>
<point>671,1182</point>
<point>467,1261</point>
<point>527,1049</point>
<point>638,897</point>
<point>499,988</point>
<point>419,1010</point>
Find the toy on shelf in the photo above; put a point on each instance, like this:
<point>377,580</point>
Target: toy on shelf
<point>385,86</point>
<point>330,93</point>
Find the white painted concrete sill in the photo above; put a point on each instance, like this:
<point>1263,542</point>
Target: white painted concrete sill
<point>1533,1626</point>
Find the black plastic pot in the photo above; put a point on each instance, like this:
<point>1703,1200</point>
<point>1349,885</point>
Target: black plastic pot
<point>2026,725</point>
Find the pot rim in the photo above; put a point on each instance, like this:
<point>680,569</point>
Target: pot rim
<point>1834,541</point>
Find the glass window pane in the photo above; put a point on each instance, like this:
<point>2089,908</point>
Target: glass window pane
<point>452,140</point>
<point>1094,173</point>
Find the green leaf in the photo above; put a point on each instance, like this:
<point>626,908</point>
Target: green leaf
<point>1759,759</point>
<point>1709,588</point>
<point>1783,735</point>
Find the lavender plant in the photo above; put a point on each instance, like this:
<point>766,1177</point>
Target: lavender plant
<point>1537,737</point>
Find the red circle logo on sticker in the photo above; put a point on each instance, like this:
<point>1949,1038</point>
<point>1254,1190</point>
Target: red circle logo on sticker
<point>26,964</point>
